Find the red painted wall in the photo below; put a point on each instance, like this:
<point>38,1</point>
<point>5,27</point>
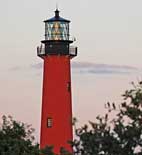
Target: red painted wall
<point>56,103</point>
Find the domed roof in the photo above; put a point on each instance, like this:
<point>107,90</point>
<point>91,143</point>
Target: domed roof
<point>57,18</point>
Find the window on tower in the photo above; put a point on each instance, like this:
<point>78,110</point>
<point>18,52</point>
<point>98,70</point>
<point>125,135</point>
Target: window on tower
<point>69,86</point>
<point>49,122</point>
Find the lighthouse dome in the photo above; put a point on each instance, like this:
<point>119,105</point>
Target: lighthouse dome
<point>57,18</point>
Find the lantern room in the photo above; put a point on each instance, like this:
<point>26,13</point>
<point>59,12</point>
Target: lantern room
<point>57,38</point>
<point>57,28</point>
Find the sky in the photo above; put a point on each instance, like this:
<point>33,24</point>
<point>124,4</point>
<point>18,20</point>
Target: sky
<point>109,40</point>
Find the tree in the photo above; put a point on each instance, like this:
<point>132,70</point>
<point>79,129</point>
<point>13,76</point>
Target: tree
<point>121,135</point>
<point>48,150</point>
<point>17,138</point>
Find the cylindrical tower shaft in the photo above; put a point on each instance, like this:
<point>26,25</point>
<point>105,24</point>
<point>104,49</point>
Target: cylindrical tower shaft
<point>56,125</point>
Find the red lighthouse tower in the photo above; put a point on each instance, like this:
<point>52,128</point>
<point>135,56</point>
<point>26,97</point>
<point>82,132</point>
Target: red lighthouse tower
<point>56,115</point>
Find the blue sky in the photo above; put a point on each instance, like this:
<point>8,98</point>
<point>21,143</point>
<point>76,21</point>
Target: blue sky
<point>109,40</point>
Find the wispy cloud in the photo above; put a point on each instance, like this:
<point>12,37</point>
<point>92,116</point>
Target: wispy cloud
<point>93,68</point>
<point>16,68</point>
<point>88,68</point>
<point>36,66</point>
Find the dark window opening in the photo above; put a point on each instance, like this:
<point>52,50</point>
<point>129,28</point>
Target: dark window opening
<point>49,122</point>
<point>69,86</point>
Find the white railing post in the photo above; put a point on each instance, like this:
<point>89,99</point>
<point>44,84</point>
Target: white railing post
<point>40,50</point>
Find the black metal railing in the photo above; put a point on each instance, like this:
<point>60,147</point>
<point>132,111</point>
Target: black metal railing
<point>41,51</point>
<point>73,51</point>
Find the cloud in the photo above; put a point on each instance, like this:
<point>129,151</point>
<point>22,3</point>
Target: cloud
<point>15,68</point>
<point>88,68</point>
<point>92,68</point>
<point>36,66</point>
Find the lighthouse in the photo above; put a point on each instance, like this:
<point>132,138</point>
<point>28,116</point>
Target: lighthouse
<point>56,114</point>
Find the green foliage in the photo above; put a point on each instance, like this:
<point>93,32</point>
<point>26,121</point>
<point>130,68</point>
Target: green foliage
<point>16,138</point>
<point>63,151</point>
<point>48,150</point>
<point>119,136</point>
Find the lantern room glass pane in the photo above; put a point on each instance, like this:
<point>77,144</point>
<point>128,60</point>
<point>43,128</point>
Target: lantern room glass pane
<point>57,30</point>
